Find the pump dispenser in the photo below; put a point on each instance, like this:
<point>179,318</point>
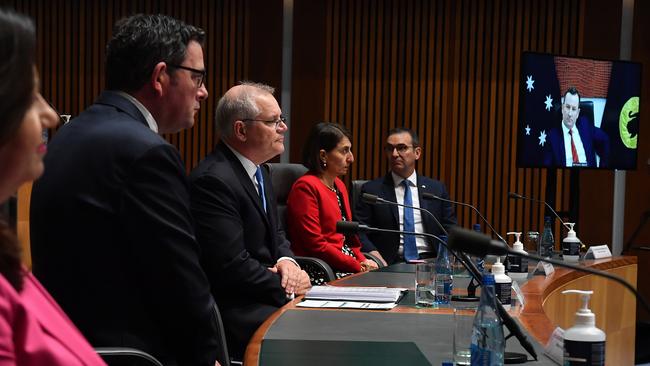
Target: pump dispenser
<point>502,283</point>
<point>517,266</point>
<point>571,245</point>
<point>584,344</point>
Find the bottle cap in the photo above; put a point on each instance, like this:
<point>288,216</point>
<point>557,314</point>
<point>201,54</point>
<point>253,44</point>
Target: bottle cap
<point>584,316</point>
<point>571,234</point>
<point>498,268</point>
<point>476,227</point>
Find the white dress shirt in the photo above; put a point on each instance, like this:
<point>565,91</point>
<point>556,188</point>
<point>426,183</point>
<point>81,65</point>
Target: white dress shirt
<point>577,141</point>
<point>421,243</point>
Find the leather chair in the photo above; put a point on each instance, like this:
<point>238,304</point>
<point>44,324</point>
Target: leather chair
<point>283,176</point>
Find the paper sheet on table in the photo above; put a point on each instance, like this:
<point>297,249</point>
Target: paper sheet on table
<point>346,305</point>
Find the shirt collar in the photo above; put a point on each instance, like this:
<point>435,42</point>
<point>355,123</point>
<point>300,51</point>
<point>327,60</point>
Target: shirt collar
<point>566,129</point>
<point>412,179</point>
<point>248,165</point>
<point>145,112</point>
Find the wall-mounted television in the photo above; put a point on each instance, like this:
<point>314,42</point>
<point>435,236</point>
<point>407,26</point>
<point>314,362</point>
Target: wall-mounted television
<point>578,112</point>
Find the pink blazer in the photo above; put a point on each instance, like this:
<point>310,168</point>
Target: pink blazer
<point>35,331</point>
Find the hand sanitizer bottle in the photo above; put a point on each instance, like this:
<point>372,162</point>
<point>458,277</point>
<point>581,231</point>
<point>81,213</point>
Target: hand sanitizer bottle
<point>517,266</point>
<point>502,284</point>
<point>571,245</point>
<point>584,344</point>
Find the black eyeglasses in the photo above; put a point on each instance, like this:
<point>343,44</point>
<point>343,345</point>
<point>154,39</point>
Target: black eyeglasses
<point>199,75</point>
<point>275,123</point>
<point>401,148</point>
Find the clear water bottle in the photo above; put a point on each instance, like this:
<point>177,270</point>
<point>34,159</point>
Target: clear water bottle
<point>480,262</point>
<point>488,343</point>
<point>546,241</point>
<point>444,275</point>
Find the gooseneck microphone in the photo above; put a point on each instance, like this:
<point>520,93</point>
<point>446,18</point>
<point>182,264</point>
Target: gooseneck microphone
<point>353,227</point>
<point>480,245</point>
<point>433,196</point>
<point>518,196</point>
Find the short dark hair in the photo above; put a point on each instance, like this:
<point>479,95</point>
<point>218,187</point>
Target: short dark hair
<point>141,41</point>
<point>414,136</point>
<point>573,91</point>
<point>323,136</point>
<point>17,47</point>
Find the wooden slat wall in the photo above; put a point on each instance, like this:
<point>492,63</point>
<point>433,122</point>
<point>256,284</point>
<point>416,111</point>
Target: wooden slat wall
<point>72,37</point>
<point>450,71</point>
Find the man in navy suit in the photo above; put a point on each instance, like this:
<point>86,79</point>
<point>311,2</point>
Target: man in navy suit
<point>245,254</point>
<point>403,149</point>
<point>576,142</point>
<point>111,231</point>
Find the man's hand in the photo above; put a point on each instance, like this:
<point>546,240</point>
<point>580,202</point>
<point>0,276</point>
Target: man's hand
<point>368,265</point>
<point>292,277</point>
<point>376,254</point>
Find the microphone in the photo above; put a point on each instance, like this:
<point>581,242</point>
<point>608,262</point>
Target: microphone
<point>518,196</point>
<point>433,196</point>
<point>353,227</point>
<point>479,244</point>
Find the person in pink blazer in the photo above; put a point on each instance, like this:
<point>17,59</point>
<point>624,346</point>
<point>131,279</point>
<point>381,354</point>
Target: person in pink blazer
<point>33,328</point>
<point>319,199</point>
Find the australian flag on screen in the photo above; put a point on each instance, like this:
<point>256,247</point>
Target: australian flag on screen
<point>621,115</point>
<point>539,108</point>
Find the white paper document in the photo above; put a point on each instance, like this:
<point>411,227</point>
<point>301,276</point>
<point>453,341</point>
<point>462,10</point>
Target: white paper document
<point>346,305</point>
<point>361,294</point>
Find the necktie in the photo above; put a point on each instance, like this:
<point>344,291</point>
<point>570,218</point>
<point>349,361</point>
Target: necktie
<point>260,184</point>
<point>574,151</point>
<point>410,249</point>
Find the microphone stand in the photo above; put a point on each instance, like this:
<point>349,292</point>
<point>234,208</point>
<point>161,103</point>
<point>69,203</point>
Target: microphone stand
<point>508,321</point>
<point>481,244</point>
<point>471,287</point>
<point>517,196</point>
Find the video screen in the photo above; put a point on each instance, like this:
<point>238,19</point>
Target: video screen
<point>578,113</point>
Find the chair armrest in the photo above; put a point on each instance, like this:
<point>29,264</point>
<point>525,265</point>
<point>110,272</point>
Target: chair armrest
<point>319,272</point>
<point>374,258</point>
<point>126,356</point>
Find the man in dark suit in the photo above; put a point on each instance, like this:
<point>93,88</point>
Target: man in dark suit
<point>576,142</point>
<point>245,254</point>
<point>403,150</point>
<point>111,231</point>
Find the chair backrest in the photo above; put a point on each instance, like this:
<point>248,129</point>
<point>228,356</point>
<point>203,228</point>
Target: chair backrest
<point>587,111</point>
<point>355,196</point>
<point>282,177</point>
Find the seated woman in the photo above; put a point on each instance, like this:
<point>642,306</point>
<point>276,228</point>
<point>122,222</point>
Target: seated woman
<point>33,328</point>
<point>319,199</point>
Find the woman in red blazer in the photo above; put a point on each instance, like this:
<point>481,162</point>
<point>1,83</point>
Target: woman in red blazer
<point>319,199</point>
<point>33,328</point>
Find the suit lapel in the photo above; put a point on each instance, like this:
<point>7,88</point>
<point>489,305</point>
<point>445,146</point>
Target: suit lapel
<point>426,204</point>
<point>247,183</point>
<point>388,193</point>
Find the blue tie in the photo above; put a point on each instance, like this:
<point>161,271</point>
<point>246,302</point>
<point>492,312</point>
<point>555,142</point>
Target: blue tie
<point>260,184</point>
<point>410,249</point>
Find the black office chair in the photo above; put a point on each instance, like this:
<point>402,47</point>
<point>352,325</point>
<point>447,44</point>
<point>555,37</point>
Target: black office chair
<point>355,197</point>
<point>125,356</point>
<point>282,178</point>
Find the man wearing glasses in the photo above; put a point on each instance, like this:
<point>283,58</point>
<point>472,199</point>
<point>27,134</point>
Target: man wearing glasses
<point>403,185</point>
<point>112,235</point>
<point>245,255</point>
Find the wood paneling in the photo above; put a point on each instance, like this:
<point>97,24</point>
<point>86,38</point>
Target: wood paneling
<point>450,71</point>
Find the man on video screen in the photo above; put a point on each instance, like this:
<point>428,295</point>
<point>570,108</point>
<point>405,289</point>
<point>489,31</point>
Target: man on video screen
<point>576,142</point>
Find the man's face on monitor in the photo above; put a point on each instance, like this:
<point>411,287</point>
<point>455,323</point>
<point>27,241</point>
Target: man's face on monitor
<point>570,110</point>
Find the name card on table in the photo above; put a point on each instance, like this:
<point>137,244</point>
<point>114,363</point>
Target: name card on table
<point>598,252</point>
<point>543,268</point>
<point>555,347</point>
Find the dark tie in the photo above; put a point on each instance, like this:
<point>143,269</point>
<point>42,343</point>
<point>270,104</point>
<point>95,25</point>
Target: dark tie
<point>410,249</point>
<point>574,151</point>
<point>260,184</point>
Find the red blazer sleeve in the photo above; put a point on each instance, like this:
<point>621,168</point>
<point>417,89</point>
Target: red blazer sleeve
<point>353,241</point>
<point>312,213</point>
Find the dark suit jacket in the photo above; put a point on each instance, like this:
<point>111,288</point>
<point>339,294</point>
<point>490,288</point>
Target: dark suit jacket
<point>386,216</point>
<point>239,243</point>
<point>594,141</point>
<point>113,240</point>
